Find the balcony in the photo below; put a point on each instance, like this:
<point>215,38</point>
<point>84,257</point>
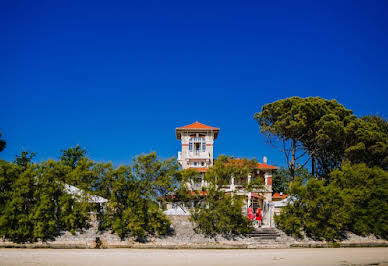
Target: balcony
<point>198,154</point>
<point>196,186</point>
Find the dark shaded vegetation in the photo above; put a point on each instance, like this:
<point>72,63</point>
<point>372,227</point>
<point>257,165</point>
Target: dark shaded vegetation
<point>36,204</point>
<point>346,189</point>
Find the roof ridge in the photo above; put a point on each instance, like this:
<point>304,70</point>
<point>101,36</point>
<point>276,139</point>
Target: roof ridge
<point>198,125</point>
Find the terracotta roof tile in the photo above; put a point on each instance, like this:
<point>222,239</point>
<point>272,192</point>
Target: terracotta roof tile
<point>197,126</point>
<point>200,169</point>
<point>278,196</point>
<point>266,166</point>
<point>255,195</point>
<point>259,165</point>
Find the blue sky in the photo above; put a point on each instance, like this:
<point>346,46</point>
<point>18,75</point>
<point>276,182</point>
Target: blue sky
<point>118,77</point>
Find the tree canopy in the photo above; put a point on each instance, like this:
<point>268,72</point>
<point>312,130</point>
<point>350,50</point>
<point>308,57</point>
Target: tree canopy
<point>323,132</point>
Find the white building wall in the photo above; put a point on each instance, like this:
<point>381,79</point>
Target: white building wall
<point>187,158</point>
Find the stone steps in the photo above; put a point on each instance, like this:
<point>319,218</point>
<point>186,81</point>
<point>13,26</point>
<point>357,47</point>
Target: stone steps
<point>263,234</point>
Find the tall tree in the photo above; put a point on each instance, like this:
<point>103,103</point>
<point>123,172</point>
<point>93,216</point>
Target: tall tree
<point>312,129</point>
<point>24,159</point>
<point>281,122</point>
<point>72,156</point>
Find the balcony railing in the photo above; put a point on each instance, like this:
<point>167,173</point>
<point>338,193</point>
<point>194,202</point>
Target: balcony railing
<point>198,154</point>
<point>196,186</point>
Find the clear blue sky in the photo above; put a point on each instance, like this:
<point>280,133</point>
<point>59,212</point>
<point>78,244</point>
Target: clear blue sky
<point>118,77</point>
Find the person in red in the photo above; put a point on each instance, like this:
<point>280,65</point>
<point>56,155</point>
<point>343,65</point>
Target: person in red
<point>258,216</point>
<point>251,215</point>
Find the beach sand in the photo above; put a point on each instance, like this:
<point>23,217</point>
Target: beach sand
<point>113,257</point>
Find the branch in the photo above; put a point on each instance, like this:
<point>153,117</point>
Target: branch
<point>286,153</point>
<point>303,165</point>
<point>300,156</point>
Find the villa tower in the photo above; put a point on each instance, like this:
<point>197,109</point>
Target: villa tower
<point>197,142</point>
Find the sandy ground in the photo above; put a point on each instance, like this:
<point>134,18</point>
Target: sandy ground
<point>324,256</point>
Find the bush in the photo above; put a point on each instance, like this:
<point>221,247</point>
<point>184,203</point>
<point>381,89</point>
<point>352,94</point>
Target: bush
<point>133,208</point>
<point>34,204</point>
<point>355,200</point>
<point>221,214</point>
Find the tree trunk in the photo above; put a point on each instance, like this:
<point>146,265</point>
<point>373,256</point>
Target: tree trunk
<point>292,166</point>
<point>312,165</point>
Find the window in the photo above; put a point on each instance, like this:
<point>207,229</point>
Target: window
<point>203,146</point>
<point>195,163</point>
<point>197,139</point>
<point>203,164</point>
<point>197,147</point>
<point>190,146</point>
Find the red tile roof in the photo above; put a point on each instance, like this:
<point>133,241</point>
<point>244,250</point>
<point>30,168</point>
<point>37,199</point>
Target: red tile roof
<point>266,166</point>
<point>278,196</point>
<point>255,195</point>
<point>262,166</point>
<point>200,169</point>
<point>198,193</point>
<point>197,126</point>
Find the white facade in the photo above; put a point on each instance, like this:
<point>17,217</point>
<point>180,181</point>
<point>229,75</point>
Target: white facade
<point>197,149</point>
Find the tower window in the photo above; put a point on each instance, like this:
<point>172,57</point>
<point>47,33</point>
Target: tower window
<point>197,147</point>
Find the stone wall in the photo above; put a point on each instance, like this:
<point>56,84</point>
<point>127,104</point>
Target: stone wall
<point>183,236</point>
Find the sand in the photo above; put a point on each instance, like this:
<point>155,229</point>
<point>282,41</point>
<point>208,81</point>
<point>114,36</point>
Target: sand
<point>323,256</point>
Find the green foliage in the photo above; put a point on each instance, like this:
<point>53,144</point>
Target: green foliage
<point>24,159</point>
<point>34,204</point>
<point>366,189</point>
<point>313,126</point>
<point>133,208</point>
<point>282,177</point>
<point>368,142</point>
<point>72,156</point>
<point>349,153</point>
<point>355,200</point>
<point>15,223</point>
<point>221,213</point>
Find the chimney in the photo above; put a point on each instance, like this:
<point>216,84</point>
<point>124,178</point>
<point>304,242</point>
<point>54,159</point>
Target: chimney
<point>265,159</point>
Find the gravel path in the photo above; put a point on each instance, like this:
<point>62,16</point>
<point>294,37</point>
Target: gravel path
<point>324,256</point>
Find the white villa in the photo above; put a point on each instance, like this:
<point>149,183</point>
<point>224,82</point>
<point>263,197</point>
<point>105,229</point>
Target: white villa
<point>197,141</point>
